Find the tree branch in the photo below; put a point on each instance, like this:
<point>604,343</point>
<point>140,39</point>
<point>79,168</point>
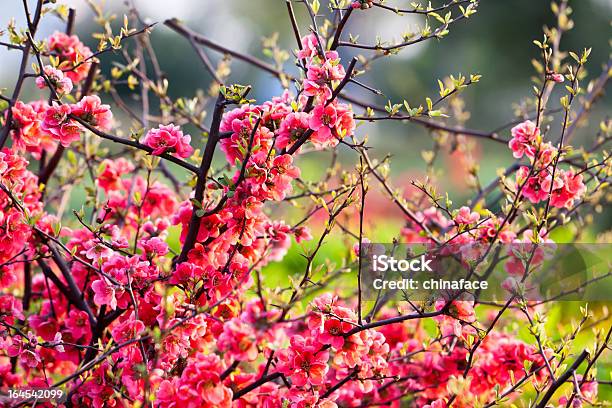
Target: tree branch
<point>209,150</point>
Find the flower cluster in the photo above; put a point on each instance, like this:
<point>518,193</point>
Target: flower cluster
<point>37,125</point>
<point>544,180</point>
<point>62,84</point>
<point>72,53</point>
<point>168,138</point>
<point>18,184</point>
<point>28,133</point>
<point>147,297</point>
<point>60,124</point>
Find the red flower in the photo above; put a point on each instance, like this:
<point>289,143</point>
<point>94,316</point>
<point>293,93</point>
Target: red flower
<point>78,323</point>
<point>304,362</point>
<point>322,121</point>
<point>72,54</point>
<point>91,110</point>
<point>57,123</point>
<point>524,136</point>
<point>168,138</point>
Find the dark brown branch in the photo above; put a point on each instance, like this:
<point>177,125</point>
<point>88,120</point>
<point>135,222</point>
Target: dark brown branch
<point>425,122</point>
<point>9,111</point>
<point>294,25</point>
<point>340,383</point>
<point>135,144</point>
<point>202,172</point>
<point>27,285</point>
<point>229,370</point>
<point>240,393</point>
<point>345,80</point>
<point>70,21</point>
<point>48,272</point>
<point>341,25</point>
<point>76,295</point>
<point>204,59</point>
<point>392,320</point>
<point>11,46</point>
<point>300,141</point>
<point>562,379</point>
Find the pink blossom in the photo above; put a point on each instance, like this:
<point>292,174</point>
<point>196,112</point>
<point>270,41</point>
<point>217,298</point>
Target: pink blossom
<point>330,330</point>
<point>534,187</point>
<point>304,363</point>
<point>282,173</point>
<point>112,170</point>
<point>309,46</point>
<point>546,153</point>
<point>154,246</point>
<point>96,250</point>
<point>299,399</point>
<point>322,121</point>
<point>72,54</point>
<point>55,116</point>
<point>320,76</point>
<point>127,329</point>
<point>345,124</point>
<point>439,403</point>
<point>292,128</point>
<point>524,136</point>
<point>467,216</point>
<point>57,123</point>
<point>57,343</point>
<point>185,272</point>
<point>461,307</point>
<point>199,385</point>
<point>239,340</point>
<point>78,323</point>
<point>240,123</point>
<point>589,389</point>
<point>556,77</point>
<point>10,306</point>
<point>168,138</point>
<point>104,293</point>
<point>490,229</point>
<point>572,189</point>
<point>62,84</point>
<point>432,218</point>
<point>302,234</point>
<point>27,132</point>
<point>91,110</point>
<point>364,5</point>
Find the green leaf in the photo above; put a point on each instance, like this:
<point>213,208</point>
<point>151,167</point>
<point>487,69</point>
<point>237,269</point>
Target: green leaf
<point>574,56</point>
<point>315,6</point>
